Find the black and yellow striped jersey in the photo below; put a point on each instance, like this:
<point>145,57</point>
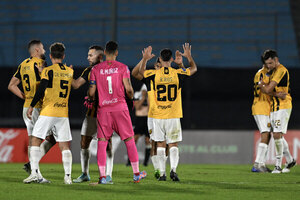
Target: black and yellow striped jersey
<point>56,98</point>
<point>28,73</point>
<point>86,76</point>
<point>261,102</point>
<point>282,77</point>
<point>164,92</point>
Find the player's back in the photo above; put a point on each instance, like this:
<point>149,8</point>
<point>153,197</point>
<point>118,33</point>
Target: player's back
<point>56,98</point>
<point>165,92</point>
<point>261,101</point>
<point>28,73</point>
<point>109,77</point>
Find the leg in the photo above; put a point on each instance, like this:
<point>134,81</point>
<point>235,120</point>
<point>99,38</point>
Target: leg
<point>261,152</point>
<point>174,160</point>
<point>161,153</point>
<point>101,158</point>
<point>279,151</point>
<point>35,155</point>
<point>67,160</point>
<point>109,161</point>
<point>147,150</point>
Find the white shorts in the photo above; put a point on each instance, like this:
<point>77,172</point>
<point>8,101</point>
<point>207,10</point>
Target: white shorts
<point>168,130</point>
<point>263,123</point>
<point>280,120</point>
<point>89,126</point>
<point>30,122</point>
<point>150,126</point>
<point>59,125</point>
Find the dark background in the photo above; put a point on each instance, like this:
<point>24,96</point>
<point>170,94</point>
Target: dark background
<point>227,40</point>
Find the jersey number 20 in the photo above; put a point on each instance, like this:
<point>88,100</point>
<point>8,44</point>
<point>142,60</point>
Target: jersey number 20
<point>171,91</point>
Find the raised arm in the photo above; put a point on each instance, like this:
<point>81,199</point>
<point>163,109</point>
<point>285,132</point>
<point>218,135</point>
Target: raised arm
<point>135,72</point>
<point>147,55</point>
<point>13,87</point>
<point>187,52</point>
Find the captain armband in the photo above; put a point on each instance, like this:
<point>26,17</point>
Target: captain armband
<point>92,82</point>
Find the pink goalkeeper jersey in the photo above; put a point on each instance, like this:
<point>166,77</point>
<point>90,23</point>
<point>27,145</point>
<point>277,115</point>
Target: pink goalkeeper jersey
<point>108,76</point>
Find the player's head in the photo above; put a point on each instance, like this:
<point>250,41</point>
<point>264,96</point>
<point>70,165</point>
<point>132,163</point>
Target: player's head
<point>36,49</point>
<point>157,64</point>
<point>95,55</point>
<point>111,48</point>
<point>57,51</point>
<point>166,55</point>
<point>270,59</point>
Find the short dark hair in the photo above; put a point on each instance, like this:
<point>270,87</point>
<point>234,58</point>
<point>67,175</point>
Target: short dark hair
<point>166,54</point>
<point>57,50</point>
<point>33,42</point>
<point>97,48</point>
<point>269,53</point>
<point>111,47</point>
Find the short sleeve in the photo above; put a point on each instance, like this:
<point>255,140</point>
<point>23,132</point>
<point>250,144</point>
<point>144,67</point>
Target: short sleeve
<point>184,71</point>
<point>85,74</point>
<point>45,74</point>
<point>278,75</point>
<point>18,73</point>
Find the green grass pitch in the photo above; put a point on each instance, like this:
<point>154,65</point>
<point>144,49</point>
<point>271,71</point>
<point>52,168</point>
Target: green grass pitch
<point>197,182</point>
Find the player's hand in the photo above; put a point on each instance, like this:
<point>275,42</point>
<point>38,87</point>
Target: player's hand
<point>89,103</point>
<point>178,59</point>
<point>71,66</point>
<point>147,53</point>
<point>281,95</point>
<point>187,50</point>
<point>29,112</point>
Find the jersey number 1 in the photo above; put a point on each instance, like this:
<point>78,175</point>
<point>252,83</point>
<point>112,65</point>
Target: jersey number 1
<point>110,91</point>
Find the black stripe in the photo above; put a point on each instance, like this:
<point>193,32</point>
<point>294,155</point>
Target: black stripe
<point>148,80</point>
<point>284,81</point>
<point>36,71</point>
<point>278,103</point>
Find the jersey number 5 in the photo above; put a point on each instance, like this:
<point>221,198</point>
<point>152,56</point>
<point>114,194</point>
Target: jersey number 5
<point>171,92</point>
<point>64,86</point>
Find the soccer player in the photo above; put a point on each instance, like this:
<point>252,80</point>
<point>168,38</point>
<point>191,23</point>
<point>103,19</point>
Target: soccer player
<point>89,125</point>
<point>165,104</point>
<point>280,108</point>
<point>55,89</point>
<point>261,112</point>
<point>135,73</point>
<point>109,79</point>
<point>28,74</point>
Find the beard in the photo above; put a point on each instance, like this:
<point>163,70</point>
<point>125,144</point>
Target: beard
<point>43,57</point>
<point>95,63</point>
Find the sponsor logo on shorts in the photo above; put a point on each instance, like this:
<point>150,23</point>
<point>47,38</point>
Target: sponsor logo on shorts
<point>60,105</point>
<point>150,131</point>
<point>164,107</point>
<point>269,125</point>
<point>105,102</point>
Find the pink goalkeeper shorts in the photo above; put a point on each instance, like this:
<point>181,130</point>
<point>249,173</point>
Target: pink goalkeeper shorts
<point>118,121</point>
